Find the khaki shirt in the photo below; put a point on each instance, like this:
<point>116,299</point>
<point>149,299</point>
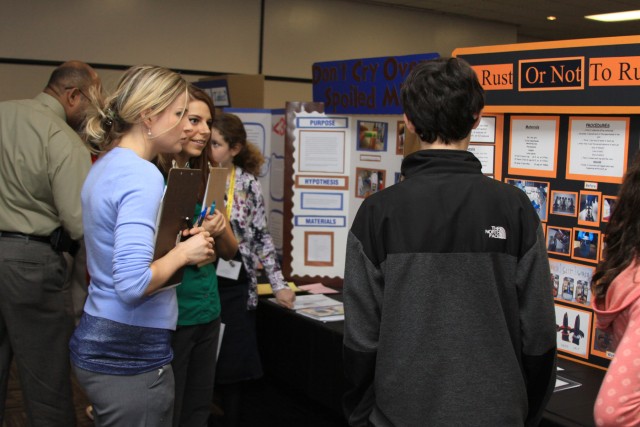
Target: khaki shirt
<point>43,164</point>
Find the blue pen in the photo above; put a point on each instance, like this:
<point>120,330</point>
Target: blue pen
<point>213,207</point>
<point>203,213</point>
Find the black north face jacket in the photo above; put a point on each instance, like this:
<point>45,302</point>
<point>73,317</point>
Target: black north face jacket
<point>449,314</point>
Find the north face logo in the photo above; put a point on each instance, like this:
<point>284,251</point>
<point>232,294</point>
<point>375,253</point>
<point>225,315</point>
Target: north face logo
<point>497,233</point>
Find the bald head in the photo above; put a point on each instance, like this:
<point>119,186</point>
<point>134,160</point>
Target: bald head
<point>71,83</point>
<point>72,74</point>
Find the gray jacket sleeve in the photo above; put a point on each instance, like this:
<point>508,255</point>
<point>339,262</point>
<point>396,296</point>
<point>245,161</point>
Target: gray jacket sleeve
<point>362,305</point>
<point>538,327</point>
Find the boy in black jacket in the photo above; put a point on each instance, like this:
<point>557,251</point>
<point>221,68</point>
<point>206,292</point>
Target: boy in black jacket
<point>449,316</point>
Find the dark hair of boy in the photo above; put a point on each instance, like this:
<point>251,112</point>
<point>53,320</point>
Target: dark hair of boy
<point>442,98</point>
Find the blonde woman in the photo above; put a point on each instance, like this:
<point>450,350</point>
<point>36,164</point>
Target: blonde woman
<point>121,350</point>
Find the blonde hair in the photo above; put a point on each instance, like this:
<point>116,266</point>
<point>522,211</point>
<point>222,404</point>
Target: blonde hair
<point>143,90</point>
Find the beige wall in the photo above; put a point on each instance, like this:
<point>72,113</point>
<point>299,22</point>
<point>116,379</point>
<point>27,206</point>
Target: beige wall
<point>221,36</point>
<point>299,33</point>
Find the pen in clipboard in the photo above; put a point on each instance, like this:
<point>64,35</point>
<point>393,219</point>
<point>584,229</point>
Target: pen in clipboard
<point>203,214</point>
<point>200,219</point>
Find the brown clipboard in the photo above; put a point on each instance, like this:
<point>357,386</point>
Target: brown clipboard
<point>176,213</point>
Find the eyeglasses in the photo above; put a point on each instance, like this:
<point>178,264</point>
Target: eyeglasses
<point>79,90</point>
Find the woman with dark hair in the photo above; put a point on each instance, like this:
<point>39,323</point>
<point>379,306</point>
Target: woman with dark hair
<point>616,302</point>
<point>195,341</point>
<point>239,360</point>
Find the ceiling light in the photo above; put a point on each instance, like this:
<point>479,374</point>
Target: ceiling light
<point>551,18</point>
<point>616,17</point>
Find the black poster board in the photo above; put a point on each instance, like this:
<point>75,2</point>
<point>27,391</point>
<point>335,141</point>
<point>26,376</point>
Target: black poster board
<point>585,91</point>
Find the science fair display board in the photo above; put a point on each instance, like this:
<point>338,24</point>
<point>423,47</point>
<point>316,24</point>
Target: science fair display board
<point>340,149</point>
<point>570,121</point>
<point>332,163</point>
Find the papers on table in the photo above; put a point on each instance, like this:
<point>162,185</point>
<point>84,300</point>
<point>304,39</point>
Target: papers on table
<point>318,307</point>
<point>332,313</point>
<point>318,288</point>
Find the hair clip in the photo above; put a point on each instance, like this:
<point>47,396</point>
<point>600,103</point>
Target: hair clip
<point>109,117</point>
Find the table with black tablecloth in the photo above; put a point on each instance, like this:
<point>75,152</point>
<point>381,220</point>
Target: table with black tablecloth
<point>306,355</point>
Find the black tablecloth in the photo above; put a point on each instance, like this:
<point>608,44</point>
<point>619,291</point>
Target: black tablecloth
<point>306,355</point>
<point>302,353</point>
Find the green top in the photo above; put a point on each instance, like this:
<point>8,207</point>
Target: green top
<point>43,164</point>
<point>198,298</point>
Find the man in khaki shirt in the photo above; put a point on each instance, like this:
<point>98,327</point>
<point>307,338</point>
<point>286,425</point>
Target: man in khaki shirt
<point>43,164</point>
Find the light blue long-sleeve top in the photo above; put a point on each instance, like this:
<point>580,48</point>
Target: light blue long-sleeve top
<point>120,201</point>
<point>122,331</point>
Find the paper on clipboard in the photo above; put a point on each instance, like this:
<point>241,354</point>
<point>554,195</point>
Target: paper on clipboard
<point>214,191</point>
<point>176,212</point>
<point>216,185</point>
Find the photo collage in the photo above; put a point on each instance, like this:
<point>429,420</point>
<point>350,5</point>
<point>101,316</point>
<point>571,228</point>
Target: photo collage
<point>574,206</point>
<point>373,141</point>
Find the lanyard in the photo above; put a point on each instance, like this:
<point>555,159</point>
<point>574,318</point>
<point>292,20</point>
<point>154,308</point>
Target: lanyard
<point>230,191</point>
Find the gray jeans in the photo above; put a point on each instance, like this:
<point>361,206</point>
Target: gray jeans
<point>143,400</point>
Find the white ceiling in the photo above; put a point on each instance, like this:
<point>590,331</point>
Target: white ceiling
<point>530,16</point>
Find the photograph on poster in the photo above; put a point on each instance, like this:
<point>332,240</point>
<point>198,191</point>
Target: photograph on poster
<point>558,240</point>
<point>567,289</point>
<point>608,203</point>
<point>589,208</point>
<point>318,248</point>
<point>400,136</point>
<point>537,192</point>
<point>369,181</point>
<point>574,327</point>
<point>586,245</point>
<point>602,343</point>
<point>372,136</point>
<point>572,280</point>
<point>564,203</point>
<point>583,292</point>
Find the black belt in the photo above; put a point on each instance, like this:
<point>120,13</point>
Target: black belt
<point>26,237</point>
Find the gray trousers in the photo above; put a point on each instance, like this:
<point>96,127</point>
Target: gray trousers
<point>143,400</point>
<point>36,322</point>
